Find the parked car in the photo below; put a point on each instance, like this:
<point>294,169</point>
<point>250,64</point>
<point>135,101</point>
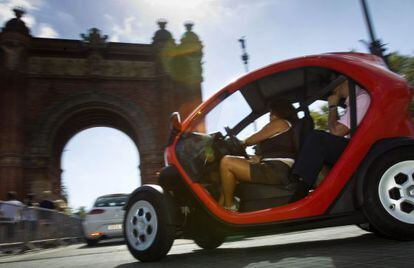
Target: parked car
<point>370,185</point>
<point>104,220</point>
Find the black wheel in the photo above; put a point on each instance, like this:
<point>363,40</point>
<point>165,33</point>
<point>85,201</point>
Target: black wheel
<point>91,242</point>
<point>208,240</point>
<point>389,194</point>
<point>369,228</point>
<point>205,233</point>
<point>365,226</point>
<point>147,233</point>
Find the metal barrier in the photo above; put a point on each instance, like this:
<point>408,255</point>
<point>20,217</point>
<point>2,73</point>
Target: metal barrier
<point>22,225</point>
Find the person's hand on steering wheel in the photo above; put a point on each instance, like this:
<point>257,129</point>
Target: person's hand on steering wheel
<point>236,146</point>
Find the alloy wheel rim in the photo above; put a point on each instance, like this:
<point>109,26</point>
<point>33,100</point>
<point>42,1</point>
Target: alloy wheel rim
<point>396,191</point>
<point>141,225</point>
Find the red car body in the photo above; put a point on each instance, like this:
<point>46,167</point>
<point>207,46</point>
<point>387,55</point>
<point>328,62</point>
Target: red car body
<point>371,183</point>
<point>387,117</point>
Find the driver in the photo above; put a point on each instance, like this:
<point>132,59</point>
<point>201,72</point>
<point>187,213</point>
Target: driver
<point>274,155</point>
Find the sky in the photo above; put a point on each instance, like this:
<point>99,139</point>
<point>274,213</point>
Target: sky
<point>274,29</point>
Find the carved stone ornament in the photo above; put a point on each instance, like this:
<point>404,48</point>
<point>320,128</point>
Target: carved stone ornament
<point>94,38</point>
<point>94,65</point>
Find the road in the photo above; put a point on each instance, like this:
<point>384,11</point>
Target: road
<point>331,247</point>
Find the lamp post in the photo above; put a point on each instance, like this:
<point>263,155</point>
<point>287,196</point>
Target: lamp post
<point>245,59</point>
<point>375,47</point>
<point>244,56</point>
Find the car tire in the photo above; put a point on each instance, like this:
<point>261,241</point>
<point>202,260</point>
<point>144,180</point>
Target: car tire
<point>369,228</point>
<point>389,195</point>
<point>147,233</point>
<point>204,233</point>
<point>208,240</point>
<point>91,242</point>
<point>365,226</point>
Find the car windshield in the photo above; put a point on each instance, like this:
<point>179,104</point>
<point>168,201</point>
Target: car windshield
<point>230,111</point>
<point>114,201</point>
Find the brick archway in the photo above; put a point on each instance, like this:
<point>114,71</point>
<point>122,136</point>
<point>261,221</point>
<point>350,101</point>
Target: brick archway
<point>50,89</point>
<point>76,113</point>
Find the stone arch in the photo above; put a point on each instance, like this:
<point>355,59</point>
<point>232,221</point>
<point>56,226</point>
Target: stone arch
<point>80,111</point>
<point>36,98</point>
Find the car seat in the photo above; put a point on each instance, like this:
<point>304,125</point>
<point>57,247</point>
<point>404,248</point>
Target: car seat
<point>255,196</point>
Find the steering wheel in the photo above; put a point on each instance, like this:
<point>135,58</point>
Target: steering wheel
<point>234,144</point>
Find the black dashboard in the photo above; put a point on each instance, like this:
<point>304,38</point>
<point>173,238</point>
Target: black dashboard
<point>200,154</point>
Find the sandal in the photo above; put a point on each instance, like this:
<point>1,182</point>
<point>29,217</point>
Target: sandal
<point>232,208</point>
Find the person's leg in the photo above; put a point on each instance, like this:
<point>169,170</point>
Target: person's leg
<point>320,147</point>
<point>310,158</point>
<point>221,199</point>
<point>232,168</point>
<point>335,149</point>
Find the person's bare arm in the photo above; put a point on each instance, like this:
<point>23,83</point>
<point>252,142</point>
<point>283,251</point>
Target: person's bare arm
<point>334,126</point>
<point>267,131</point>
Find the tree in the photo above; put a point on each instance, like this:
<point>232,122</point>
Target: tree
<point>64,192</point>
<point>404,65</point>
<point>320,117</point>
<point>81,212</point>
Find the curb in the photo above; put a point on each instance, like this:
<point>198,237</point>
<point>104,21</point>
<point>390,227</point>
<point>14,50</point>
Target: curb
<point>8,249</point>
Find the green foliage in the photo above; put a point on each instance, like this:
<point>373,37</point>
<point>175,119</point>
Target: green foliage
<point>64,192</point>
<point>320,117</point>
<point>81,212</point>
<point>404,65</point>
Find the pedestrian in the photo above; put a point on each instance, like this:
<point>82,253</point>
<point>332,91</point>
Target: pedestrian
<point>46,201</point>
<point>12,210</point>
<point>31,219</point>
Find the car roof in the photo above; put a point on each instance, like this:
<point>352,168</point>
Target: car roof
<point>113,195</point>
<point>367,70</point>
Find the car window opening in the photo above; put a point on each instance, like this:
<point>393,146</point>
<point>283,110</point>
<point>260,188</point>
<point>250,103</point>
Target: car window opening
<point>202,146</point>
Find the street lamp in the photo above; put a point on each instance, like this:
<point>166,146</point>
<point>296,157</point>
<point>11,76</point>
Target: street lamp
<point>375,47</point>
<point>245,59</point>
<point>244,56</point>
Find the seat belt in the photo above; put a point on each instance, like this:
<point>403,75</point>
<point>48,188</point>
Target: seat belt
<point>352,106</point>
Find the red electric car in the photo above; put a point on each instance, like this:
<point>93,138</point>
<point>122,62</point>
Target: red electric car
<point>372,183</point>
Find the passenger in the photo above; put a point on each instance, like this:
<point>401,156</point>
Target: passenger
<point>273,159</point>
<point>321,147</point>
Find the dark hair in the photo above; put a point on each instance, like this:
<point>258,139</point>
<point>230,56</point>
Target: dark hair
<point>283,109</point>
<point>11,196</point>
<point>30,199</point>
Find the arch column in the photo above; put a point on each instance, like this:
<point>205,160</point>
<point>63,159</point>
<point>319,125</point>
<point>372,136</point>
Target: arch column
<point>150,165</point>
<point>14,41</point>
<point>37,174</point>
<point>11,134</point>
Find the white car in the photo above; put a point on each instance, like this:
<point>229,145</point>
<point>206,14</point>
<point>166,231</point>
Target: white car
<point>104,220</point>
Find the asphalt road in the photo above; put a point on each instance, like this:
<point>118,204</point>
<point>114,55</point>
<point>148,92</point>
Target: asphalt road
<point>331,247</point>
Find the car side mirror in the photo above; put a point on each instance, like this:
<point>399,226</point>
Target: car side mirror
<point>175,121</point>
